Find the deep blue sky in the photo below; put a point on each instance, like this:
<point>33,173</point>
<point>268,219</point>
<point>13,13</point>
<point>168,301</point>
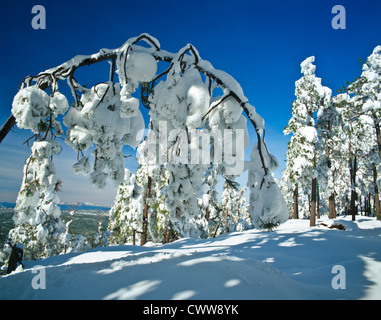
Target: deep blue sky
<point>260,43</point>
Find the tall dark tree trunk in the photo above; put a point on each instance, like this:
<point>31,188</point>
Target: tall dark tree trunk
<point>143,239</point>
<point>347,206</point>
<point>369,208</point>
<point>331,206</point>
<point>376,193</point>
<point>295,214</point>
<point>317,201</point>
<point>353,208</point>
<point>353,170</point>
<point>378,137</point>
<point>313,204</point>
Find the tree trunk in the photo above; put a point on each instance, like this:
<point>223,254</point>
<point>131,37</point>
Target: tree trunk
<point>207,214</point>
<point>354,195</point>
<point>169,234</point>
<point>143,239</point>
<point>376,194</point>
<point>347,205</point>
<point>295,214</point>
<point>313,204</point>
<point>334,206</point>
<point>317,201</point>
<point>369,206</point>
<point>331,206</point>
<point>378,137</point>
<point>166,236</point>
<point>226,221</point>
<point>353,208</point>
<point>352,171</point>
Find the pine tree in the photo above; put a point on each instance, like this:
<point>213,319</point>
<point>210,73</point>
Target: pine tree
<point>366,101</point>
<point>331,147</point>
<point>125,217</point>
<point>38,223</point>
<point>300,173</point>
<point>208,198</point>
<point>233,215</point>
<point>136,216</point>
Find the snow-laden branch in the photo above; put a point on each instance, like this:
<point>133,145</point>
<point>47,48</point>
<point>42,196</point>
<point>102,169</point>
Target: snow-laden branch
<point>180,60</point>
<point>108,116</point>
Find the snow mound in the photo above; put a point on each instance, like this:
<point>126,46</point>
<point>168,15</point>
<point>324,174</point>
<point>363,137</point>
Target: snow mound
<point>293,262</point>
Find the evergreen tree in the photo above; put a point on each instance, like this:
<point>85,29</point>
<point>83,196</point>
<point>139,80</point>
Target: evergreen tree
<point>332,144</point>
<point>366,101</point>
<point>234,215</point>
<point>125,217</point>
<point>136,216</point>
<point>38,223</point>
<point>300,173</point>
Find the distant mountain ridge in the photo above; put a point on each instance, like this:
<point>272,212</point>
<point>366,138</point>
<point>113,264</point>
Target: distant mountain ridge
<point>65,206</point>
<point>83,206</point>
<point>7,205</point>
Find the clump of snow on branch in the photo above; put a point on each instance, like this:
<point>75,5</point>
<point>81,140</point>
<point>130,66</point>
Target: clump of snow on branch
<point>268,209</point>
<point>32,106</point>
<point>103,121</point>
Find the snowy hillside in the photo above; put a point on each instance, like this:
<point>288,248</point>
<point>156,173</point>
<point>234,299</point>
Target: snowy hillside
<point>293,262</point>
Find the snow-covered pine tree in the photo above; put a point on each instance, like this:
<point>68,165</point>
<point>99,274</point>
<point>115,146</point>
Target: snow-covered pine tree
<point>125,217</point>
<point>159,224</point>
<point>366,100</point>
<point>38,223</point>
<point>208,197</point>
<point>300,173</point>
<point>332,144</point>
<point>233,216</point>
<point>359,152</point>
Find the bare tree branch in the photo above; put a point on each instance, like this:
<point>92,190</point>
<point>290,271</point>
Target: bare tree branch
<point>6,127</point>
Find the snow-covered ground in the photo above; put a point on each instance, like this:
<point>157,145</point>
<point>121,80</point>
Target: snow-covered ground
<point>293,262</point>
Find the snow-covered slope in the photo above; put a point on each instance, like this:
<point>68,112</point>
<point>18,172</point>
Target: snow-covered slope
<point>293,262</point>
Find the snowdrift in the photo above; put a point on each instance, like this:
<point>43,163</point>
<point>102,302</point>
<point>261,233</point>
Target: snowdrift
<point>293,262</point>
